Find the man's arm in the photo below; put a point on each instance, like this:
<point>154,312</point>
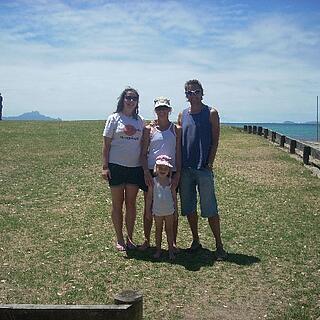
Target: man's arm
<point>215,132</point>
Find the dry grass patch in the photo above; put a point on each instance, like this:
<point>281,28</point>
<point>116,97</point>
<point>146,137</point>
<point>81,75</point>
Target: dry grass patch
<point>57,239</point>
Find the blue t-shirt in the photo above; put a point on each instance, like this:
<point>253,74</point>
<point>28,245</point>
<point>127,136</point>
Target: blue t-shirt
<point>196,138</point>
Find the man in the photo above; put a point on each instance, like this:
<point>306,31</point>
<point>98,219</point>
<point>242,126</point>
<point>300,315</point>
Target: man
<point>1,106</point>
<point>200,138</point>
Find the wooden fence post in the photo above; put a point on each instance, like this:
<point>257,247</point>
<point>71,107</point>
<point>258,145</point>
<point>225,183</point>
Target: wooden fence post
<point>254,129</point>
<point>306,154</point>
<point>293,144</point>
<point>259,131</point>
<point>249,129</point>
<point>245,127</point>
<point>282,140</point>
<point>135,299</point>
<point>273,136</point>
<point>265,133</point>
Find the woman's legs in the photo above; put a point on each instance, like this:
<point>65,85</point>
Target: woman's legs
<point>169,231</point>
<point>131,192</point>
<point>117,194</point>
<point>159,226</point>
<point>147,226</point>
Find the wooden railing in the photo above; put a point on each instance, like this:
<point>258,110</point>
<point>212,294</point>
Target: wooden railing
<point>128,306</point>
<point>309,154</point>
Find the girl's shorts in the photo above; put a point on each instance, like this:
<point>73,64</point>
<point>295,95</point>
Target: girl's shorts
<point>121,175</point>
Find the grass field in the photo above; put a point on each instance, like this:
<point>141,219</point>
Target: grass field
<point>57,239</point>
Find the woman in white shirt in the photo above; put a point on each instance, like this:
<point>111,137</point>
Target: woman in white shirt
<point>121,163</point>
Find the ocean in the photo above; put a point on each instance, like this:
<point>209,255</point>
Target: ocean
<point>299,131</point>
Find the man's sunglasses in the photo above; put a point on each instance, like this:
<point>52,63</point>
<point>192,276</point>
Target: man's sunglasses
<point>130,98</point>
<point>193,92</point>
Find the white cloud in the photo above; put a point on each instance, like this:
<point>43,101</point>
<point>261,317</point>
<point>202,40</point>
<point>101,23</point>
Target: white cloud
<point>73,61</point>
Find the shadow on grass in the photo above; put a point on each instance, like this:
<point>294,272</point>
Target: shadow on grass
<point>192,261</point>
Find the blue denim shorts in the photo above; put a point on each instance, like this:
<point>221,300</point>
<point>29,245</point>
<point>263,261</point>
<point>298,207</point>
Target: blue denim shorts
<point>203,181</point>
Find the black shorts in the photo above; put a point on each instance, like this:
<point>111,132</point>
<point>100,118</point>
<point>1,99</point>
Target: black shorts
<point>121,175</point>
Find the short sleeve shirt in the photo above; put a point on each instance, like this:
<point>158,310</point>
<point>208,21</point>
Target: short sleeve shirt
<point>126,134</point>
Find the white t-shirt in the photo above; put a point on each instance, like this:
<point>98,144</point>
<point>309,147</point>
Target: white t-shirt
<point>126,134</point>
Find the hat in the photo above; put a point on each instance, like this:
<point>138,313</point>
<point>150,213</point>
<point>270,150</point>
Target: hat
<point>164,160</point>
<point>162,101</point>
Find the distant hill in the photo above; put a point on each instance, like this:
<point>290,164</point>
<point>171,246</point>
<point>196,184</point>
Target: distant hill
<point>33,115</point>
<point>307,122</point>
<point>288,122</point>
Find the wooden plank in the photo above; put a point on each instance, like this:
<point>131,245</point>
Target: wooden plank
<point>306,154</point>
<point>293,144</point>
<point>128,306</point>
<point>282,140</point>
<point>315,153</point>
<point>65,312</point>
<point>135,298</point>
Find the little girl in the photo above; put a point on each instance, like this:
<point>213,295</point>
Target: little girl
<point>161,201</point>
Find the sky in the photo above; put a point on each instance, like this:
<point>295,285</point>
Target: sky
<point>258,61</point>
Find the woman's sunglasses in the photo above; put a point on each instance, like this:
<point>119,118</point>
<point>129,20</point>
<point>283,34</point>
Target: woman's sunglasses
<point>130,98</point>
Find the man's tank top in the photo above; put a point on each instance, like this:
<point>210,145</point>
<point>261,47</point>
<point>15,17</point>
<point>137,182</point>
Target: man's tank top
<point>163,203</point>
<point>196,138</point>
<point>162,142</point>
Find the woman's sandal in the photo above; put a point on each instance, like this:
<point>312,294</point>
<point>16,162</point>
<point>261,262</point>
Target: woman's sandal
<point>130,245</point>
<point>144,246</point>
<point>120,247</point>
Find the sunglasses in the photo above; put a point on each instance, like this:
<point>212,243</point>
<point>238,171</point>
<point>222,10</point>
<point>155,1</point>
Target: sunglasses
<point>161,108</point>
<point>192,92</point>
<point>130,98</point>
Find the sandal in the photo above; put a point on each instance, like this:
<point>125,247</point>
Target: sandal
<point>130,245</point>
<point>144,246</point>
<point>120,247</point>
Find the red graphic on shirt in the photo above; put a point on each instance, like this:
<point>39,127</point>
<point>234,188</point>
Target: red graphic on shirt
<point>129,130</point>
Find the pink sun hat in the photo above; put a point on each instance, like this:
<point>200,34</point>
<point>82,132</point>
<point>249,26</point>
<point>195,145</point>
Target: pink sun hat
<point>164,160</point>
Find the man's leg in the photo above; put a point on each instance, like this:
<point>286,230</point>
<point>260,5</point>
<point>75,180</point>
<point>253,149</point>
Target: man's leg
<point>209,207</point>
<point>193,223</point>
<point>188,198</point>
<point>214,223</point>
